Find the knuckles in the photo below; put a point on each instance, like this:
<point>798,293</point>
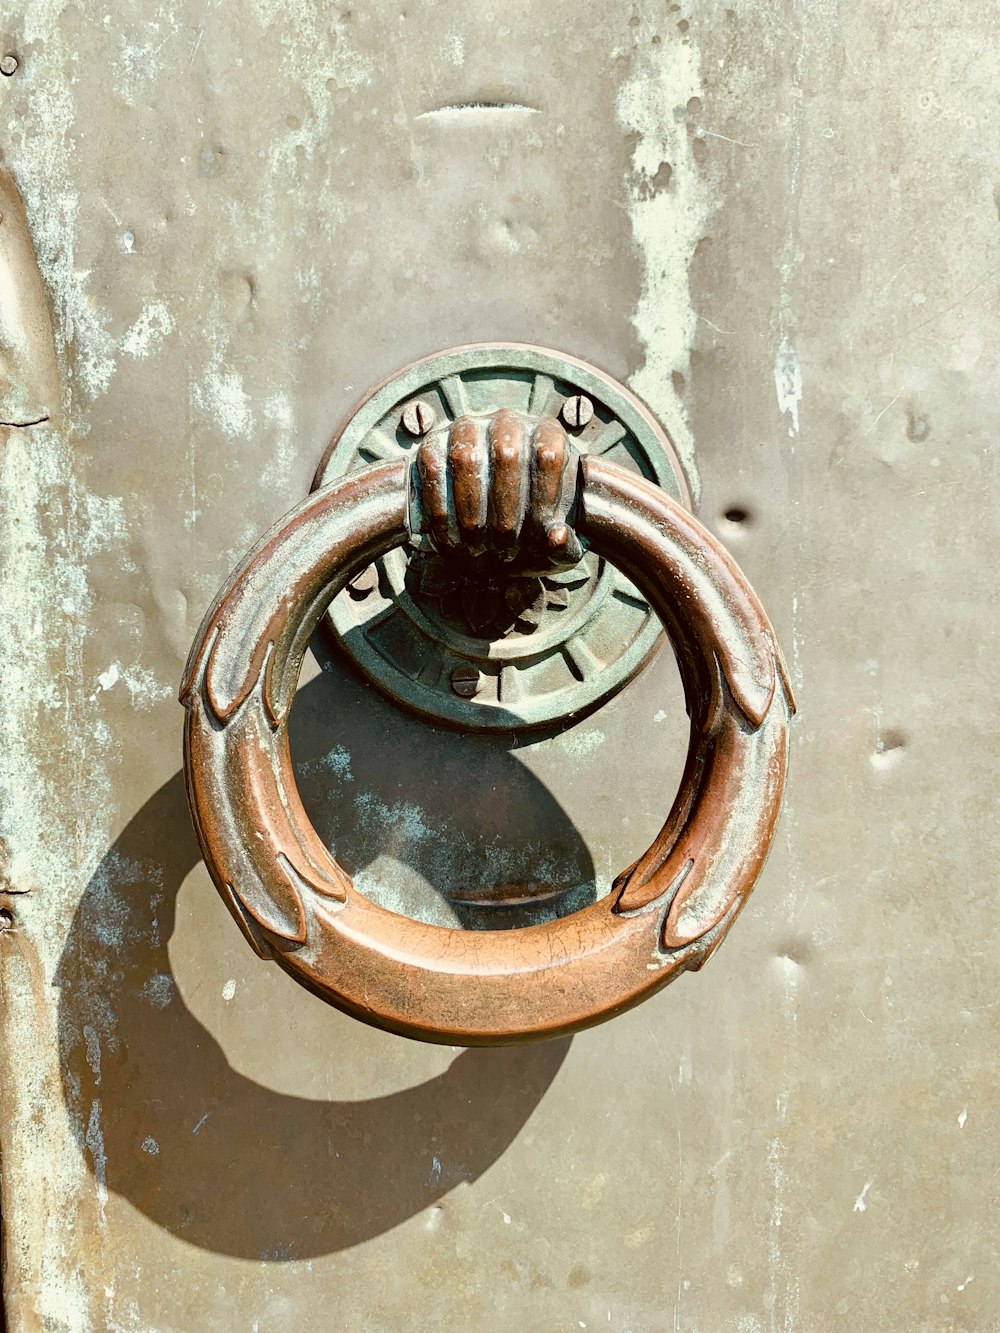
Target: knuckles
<point>504,484</point>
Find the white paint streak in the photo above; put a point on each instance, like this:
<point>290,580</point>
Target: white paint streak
<point>143,688</point>
<point>860,1206</point>
<point>454,48</point>
<point>94,1139</point>
<point>229,989</point>
<point>148,331</point>
<point>107,680</point>
<point>279,414</point>
<point>93,1044</point>
<point>667,224</point>
<point>963,1115</point>
<point>292,27</point>
<point>220,395</point>
<point>788,384</point>
<point>43,163</point>
<point>159,990</point>
<point>578,744</point>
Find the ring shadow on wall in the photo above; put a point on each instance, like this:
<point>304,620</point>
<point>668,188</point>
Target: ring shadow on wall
<point>336,1172</point>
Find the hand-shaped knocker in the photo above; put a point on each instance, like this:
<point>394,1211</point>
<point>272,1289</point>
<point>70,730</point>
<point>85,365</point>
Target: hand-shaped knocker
<point>492,488</point>
<point>501,486</point>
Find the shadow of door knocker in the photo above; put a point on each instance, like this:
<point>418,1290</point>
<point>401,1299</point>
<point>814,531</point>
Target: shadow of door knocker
<point>543,511</point>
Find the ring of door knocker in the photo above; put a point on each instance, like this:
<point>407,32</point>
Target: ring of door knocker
<point>497,454</point>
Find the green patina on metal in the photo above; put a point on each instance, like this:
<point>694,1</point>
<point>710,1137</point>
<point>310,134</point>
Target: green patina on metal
<point>540,650</point>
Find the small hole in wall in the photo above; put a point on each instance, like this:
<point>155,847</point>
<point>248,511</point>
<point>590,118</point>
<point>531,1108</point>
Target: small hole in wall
<point>6,918</point>
<point>737,516</point>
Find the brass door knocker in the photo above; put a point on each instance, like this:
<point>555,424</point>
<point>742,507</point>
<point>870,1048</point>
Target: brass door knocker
<point>491,487</point>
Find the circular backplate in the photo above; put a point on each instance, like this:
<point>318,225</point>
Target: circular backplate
<point>530,653</point>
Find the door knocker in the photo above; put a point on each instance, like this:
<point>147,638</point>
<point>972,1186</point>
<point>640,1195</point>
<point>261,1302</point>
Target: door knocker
<point>510,463</point>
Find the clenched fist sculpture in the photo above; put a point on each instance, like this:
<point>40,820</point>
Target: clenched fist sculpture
<point>500,489</point>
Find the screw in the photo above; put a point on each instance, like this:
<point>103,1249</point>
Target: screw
<point>465,681</point>
<point>8,65</point>
<point>364,584</point>
<point>418,417</point>
<point>577,411</point>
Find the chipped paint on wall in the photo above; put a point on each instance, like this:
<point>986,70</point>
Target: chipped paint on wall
<point>147,333</point>
<point>41,153</point>
<point>55,791</point>
<point>143,688</point>
<point>788,384</point>
<point>669,207</point>
<point>55,800</point>
<point>577,744</point>
<point>221,396</point>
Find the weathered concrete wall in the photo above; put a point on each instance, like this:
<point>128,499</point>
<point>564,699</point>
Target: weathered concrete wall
<point>780,223</point>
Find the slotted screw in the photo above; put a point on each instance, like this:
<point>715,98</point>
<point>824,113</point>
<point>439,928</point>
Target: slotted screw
<point>418,417</point>
<point>577,411</point>
<point>465,681</point>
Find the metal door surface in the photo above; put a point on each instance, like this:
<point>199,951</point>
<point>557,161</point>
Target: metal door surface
<point>777,223</point>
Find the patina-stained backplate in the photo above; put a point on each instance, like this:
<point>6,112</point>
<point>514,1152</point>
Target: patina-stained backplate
<point>538,655</point>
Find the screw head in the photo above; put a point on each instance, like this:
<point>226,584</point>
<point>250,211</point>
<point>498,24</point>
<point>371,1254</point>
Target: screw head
<point>465,681</point>
<point>418,417</point>
<point>364,584</point>
<point>8,65</point>
<point>577,411</point>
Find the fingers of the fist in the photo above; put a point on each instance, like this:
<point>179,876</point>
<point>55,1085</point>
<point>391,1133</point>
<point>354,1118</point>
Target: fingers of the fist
<point>553,487</point>
<point>468,459</point>
<point>547,468</point>
<point>432,470</point>
<point>509,480</point>
<point>563,545</point>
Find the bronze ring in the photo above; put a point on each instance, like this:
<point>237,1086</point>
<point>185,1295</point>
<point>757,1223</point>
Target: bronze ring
<point>667,912</point>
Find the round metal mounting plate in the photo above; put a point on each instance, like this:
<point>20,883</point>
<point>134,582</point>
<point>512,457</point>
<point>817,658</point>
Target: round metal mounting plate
<point>574,639</point>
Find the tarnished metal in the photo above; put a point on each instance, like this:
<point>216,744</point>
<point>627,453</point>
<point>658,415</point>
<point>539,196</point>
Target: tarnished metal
<point>547,644</point>
<point>776,224</point>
